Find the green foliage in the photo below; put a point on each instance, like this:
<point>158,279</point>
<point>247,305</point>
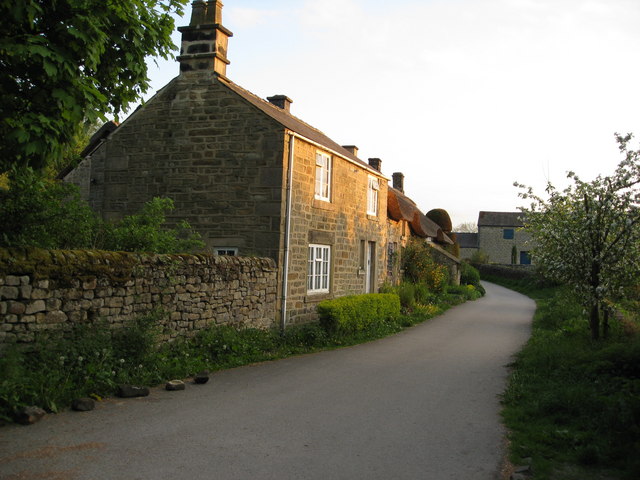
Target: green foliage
<point>514,255</point>
<point>70,153</point>
<point>469,275</point>
<point>573,404</point>
<point>43,213</point>
<point>467,292</point>
<point>420,267</point>
<point>354,313</point>
<point>93,359</point>
<point>479,257</point>
<point>66,60</point>
<point>407,293</point>
<point>145,232</point>
<point>36,212</point>
<point>588,235</point>
<point>455,248</point>
<point>87,361</point>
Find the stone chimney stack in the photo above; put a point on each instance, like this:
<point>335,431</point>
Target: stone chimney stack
<point>352,149</point>
<point>398,181</point>
<point>281,101</point>
<point>204,40</point>
<point>375,163</point>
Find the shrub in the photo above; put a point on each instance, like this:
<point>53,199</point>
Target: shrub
<point>41,213</point>
<point>407,293</point>
<point>37,212</point>
<point>146,232</point>
<point>422,294</point>
<point>420,267</point>
<point>469,275</point>
<point>358,312</point>
<point>479,257</point>
<point>468,292</point>
<point>89,360</point>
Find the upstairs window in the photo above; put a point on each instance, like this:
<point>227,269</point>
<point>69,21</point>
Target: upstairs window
<point>318,269</point>
<point>372,196</point>
<point>323,176</point>
<point>507,234</point>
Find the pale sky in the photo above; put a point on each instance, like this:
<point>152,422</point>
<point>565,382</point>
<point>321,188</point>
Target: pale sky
<point>462,96</point>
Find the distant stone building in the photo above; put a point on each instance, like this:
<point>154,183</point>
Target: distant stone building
<point>251,178</point>
<point>468,244</point>
<point>502,238</point>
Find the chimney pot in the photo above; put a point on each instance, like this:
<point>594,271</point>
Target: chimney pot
<point>375,163</point>
<point>398,181</point>
<point>281,101</point>
<point>351,149</point>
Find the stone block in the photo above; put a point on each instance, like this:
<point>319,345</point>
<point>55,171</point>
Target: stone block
<point>175,385</point>
<point>40,294</point>
<point>53,303</point>
<point>114,302</point>
<point>25,337</point>
<point>77,316</point>
<point>130,391</point>
<point>9,292</point>
<point>25,280</point>
<point>29,415</point>
<point>16,308</point>
<point>35,306</point>
<point>12,280</point>
<point>25,291</point>
<point>83,404</point>
<point>56,317</point>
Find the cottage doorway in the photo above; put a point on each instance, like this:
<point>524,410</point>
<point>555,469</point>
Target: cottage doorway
<point>370,286</point>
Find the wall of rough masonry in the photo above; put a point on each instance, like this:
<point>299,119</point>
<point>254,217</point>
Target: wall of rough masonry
<point>491,241</point>
<point>44,291</point>
<point>211,152</point>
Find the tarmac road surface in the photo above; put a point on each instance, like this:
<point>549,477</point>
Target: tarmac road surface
<point>423,404</point>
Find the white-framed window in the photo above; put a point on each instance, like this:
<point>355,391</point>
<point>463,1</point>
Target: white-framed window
<point>230,251</point>
<point>318,271</point>
<point>372,196</point>
<point>323,176</point>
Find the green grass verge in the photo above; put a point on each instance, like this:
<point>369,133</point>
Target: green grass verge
<point>93,360</point>
<point>572,405</point>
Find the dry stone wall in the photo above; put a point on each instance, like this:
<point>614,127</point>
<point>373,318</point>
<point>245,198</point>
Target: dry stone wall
<point>43,291</point>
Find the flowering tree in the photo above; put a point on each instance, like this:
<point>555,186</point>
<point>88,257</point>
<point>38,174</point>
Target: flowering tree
<point>588,235</point>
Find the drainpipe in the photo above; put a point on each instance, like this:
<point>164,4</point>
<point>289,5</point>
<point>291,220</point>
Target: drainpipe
<point>287,235</point>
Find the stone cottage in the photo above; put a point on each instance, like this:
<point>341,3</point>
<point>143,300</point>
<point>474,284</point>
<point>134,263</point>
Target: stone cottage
<point>249,176</point>
<point>502,238</point>
<point>405,221</point>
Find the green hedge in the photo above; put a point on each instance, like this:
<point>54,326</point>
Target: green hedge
<point>358,312</point>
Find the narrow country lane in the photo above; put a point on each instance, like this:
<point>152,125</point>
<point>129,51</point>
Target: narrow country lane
<point>422,404</point>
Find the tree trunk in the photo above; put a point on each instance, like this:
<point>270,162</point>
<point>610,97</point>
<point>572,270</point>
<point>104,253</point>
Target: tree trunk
<point>605,323</point>
<point>594,321</point>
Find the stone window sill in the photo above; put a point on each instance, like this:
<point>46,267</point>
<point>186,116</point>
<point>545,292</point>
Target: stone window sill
<point>317,297</point>
<point>323,205</point>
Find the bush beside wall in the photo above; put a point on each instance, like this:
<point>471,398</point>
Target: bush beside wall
<point>52,290</point>
<point>358,312</point>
